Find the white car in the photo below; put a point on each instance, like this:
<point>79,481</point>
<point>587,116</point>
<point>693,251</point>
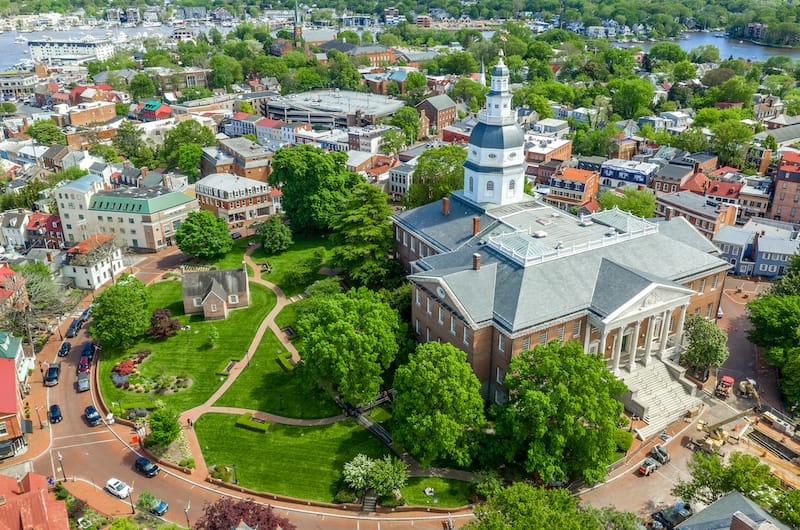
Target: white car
<point>118,488</point>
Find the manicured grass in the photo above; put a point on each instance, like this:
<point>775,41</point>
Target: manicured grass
<point>302,249</point>
<point>449,493</point>
<point>287,317</point>
<point>304,462</point>
<point>234,258</point>
<point>267,387</point>
<point>190,351</point>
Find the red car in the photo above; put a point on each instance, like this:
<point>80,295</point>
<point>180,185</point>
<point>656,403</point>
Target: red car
<point>83,367</point>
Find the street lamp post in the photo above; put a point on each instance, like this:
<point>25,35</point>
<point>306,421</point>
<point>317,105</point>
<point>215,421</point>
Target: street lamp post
<point>38,408</point>
<point>61,465</point>
<point>130,498</point>
<point>186,512</point>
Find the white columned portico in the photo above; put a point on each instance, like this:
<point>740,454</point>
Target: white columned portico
<point>603,337</point>
<point>681,322</point>
<point>587,337</point>
<point>617,350</point>
<point>634,346</point>
<point>662,346</point>
<point>648,346</point>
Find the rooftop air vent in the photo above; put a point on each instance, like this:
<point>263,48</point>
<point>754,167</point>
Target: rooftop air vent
<point>539,234</point>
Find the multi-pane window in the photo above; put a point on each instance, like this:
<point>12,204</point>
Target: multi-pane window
<point>526,343</point>
<point>543,338</point>
<point>576,329</point>
<point>501,342</point>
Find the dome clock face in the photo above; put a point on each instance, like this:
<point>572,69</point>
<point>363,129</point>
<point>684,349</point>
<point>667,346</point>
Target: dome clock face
<point>440,292</point>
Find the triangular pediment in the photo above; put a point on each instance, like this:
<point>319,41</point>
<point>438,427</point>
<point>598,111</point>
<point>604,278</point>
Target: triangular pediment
<point>654,297</point>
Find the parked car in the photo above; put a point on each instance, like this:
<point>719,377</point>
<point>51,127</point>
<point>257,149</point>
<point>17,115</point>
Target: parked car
<point>55,414</point>
<point>83,366</point>
<point>65,349</point>
<point>92,416</point>
<point>158,507</point>
<point>74,327</point>
<point>53,373</point>
<point>147,468</point>
<point>89,347</point>
<point>660,453</point>
<point>83,382</point>
<point>648,467</point>
<point>236,235</point>
<point>86,314</point>
<point>118,488</point>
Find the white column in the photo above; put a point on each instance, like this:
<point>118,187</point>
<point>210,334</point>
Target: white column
<point>648,346</point>
<point>603,337</point>
<point>634,345</point>
<point>587,336</point>
<point>681,322</point>
<point>662,347</point>
<point>617,350</point>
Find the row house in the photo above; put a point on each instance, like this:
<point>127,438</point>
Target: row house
<point>539,151</point>
<point>289,132</point>
<point>85,114</point>
<point>440,110</point>
<point>786,189</point>
<point>706,215</point>
<point>754,197</point>
<point>239,156</point>
<point>152,111</point>
<point>15,224</point>
<point>671,178</point>
<point>73,200</point>
<point>551,127</point>
<point>177,79</point>
<point>762,247</point>
<point>367,139</point>
<point>93,262</point>
<point>235,198</point>
<point>400,180</point>
<point>268,131</point>
<point>574,189</point>
<point>242,123</point>
<point>45,231</point>
<point>377,54</point>
<point>144,219</point>
<point>14,367</point>
<point>616,173</point>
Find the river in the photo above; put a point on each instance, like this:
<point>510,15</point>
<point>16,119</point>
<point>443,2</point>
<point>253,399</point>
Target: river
<point>731,47</point>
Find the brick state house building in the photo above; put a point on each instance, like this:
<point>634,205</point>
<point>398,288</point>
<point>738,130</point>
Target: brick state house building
<point>495,271</point>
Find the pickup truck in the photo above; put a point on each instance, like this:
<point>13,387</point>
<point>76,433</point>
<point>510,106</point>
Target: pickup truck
<point>648,467</point>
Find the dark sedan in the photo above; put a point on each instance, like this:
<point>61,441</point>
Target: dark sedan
<point>55,414</point>
<point>65,348</point>
<point>146,467</point>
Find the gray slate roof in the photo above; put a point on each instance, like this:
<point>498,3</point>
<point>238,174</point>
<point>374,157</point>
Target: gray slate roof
<point>440,102</point>
<point>777,245</point>
<point>674,172</point>
<point>734,235</point>
<point>717,516</point>
<point>781,135</point>
<point>223,282</point>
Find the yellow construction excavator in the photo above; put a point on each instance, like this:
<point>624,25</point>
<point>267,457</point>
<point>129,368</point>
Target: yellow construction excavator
<point>748,388</point>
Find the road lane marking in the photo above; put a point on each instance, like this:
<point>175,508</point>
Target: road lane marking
<point>80,435</point>
<point>83,445</point>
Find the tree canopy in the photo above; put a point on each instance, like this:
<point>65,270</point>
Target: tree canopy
<point>707,344</point>
<point>46,132</point>
<point>407,120</point>
<point>141,87</point>
<point>275,236</point>
<point>711,478</point>
<point>313,183</point>
<point>439,171</point>
<point>562,413</point>
<point>641,203</point>
<point>204,235</point>
<point>121,312</point>
<point>129,142</point>
<point>185,133</point>
<point>438,408</point>
<point>363,235</point>
<point>349,341</point>
<point>228,512</point>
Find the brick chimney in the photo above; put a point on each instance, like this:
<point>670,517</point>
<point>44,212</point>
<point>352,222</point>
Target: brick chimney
<point>143,171</point>
<point>51,256</point>
<point>446,206</point>
<point>668,213</point>
<point>476,225</point>
<point>476,262</point>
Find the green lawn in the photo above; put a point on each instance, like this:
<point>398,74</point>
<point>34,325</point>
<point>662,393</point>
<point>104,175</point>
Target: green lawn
<point>287,317</point>
<point>304,462</point>
<point>189,351</point>
<point>448,493</point>
<point>265,386</point>
<point>234,258</point>
<point>303,248</point>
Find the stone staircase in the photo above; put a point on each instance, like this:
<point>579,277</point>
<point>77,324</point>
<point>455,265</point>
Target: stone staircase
<point>370,503</point>
<point>656,391</point>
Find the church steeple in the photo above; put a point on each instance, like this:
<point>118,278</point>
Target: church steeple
<point>494,171</point>
<point>482,75</point>
<point>297,29</point>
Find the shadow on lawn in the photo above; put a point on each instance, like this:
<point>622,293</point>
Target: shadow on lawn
<point>292,395</point>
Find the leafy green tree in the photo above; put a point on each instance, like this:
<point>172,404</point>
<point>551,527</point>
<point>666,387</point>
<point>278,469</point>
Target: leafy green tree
<point>342,72</point>
<point>33,299</point>
<point>121,312</point>
<point>146,502</point>
<point>164,426</point>
<point>123,523</point>
<point>141,87</point>
<point>185,133</point>
<point>717,76</point>
<point>707,344</point>
<point>357,472</point>
<point>641,203</point>
<point>275,236</point>
<point>730,142</point>
<point>711,478</point>
<point>189,156</point>
<point>439,171</point>
<point>213,336</point>
<point>775,320</point>
<point>407,120</point>
<point>737,89</point>
<point>194,92</point>
<point>470,92</point>
<point>667,51</point>
<point>388,474</point>
<point>618,62</point>
<point>416,86</point>
<point>523,505</point>
<point>129,142</point>
<point>562,413</point>
<point>787,507</point>
<point>363,235</point>
<point>46,132</point>
<point>683,71</point>
<point>225,71</point>
<point>7,107</point>
<point>392,142</point>
<point>790,380</point>
<point>349,341</point>
<point>105,151</point>
<point>204,235</point>
<point>770,143</point>
<point>692,140</point>
<point>313,183</point>
<point>349,36</point>
<point>705,53</point>
<point>247,107</point>
<point>789,282</point>
<point>631,96</point>
<point>438,407</point>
